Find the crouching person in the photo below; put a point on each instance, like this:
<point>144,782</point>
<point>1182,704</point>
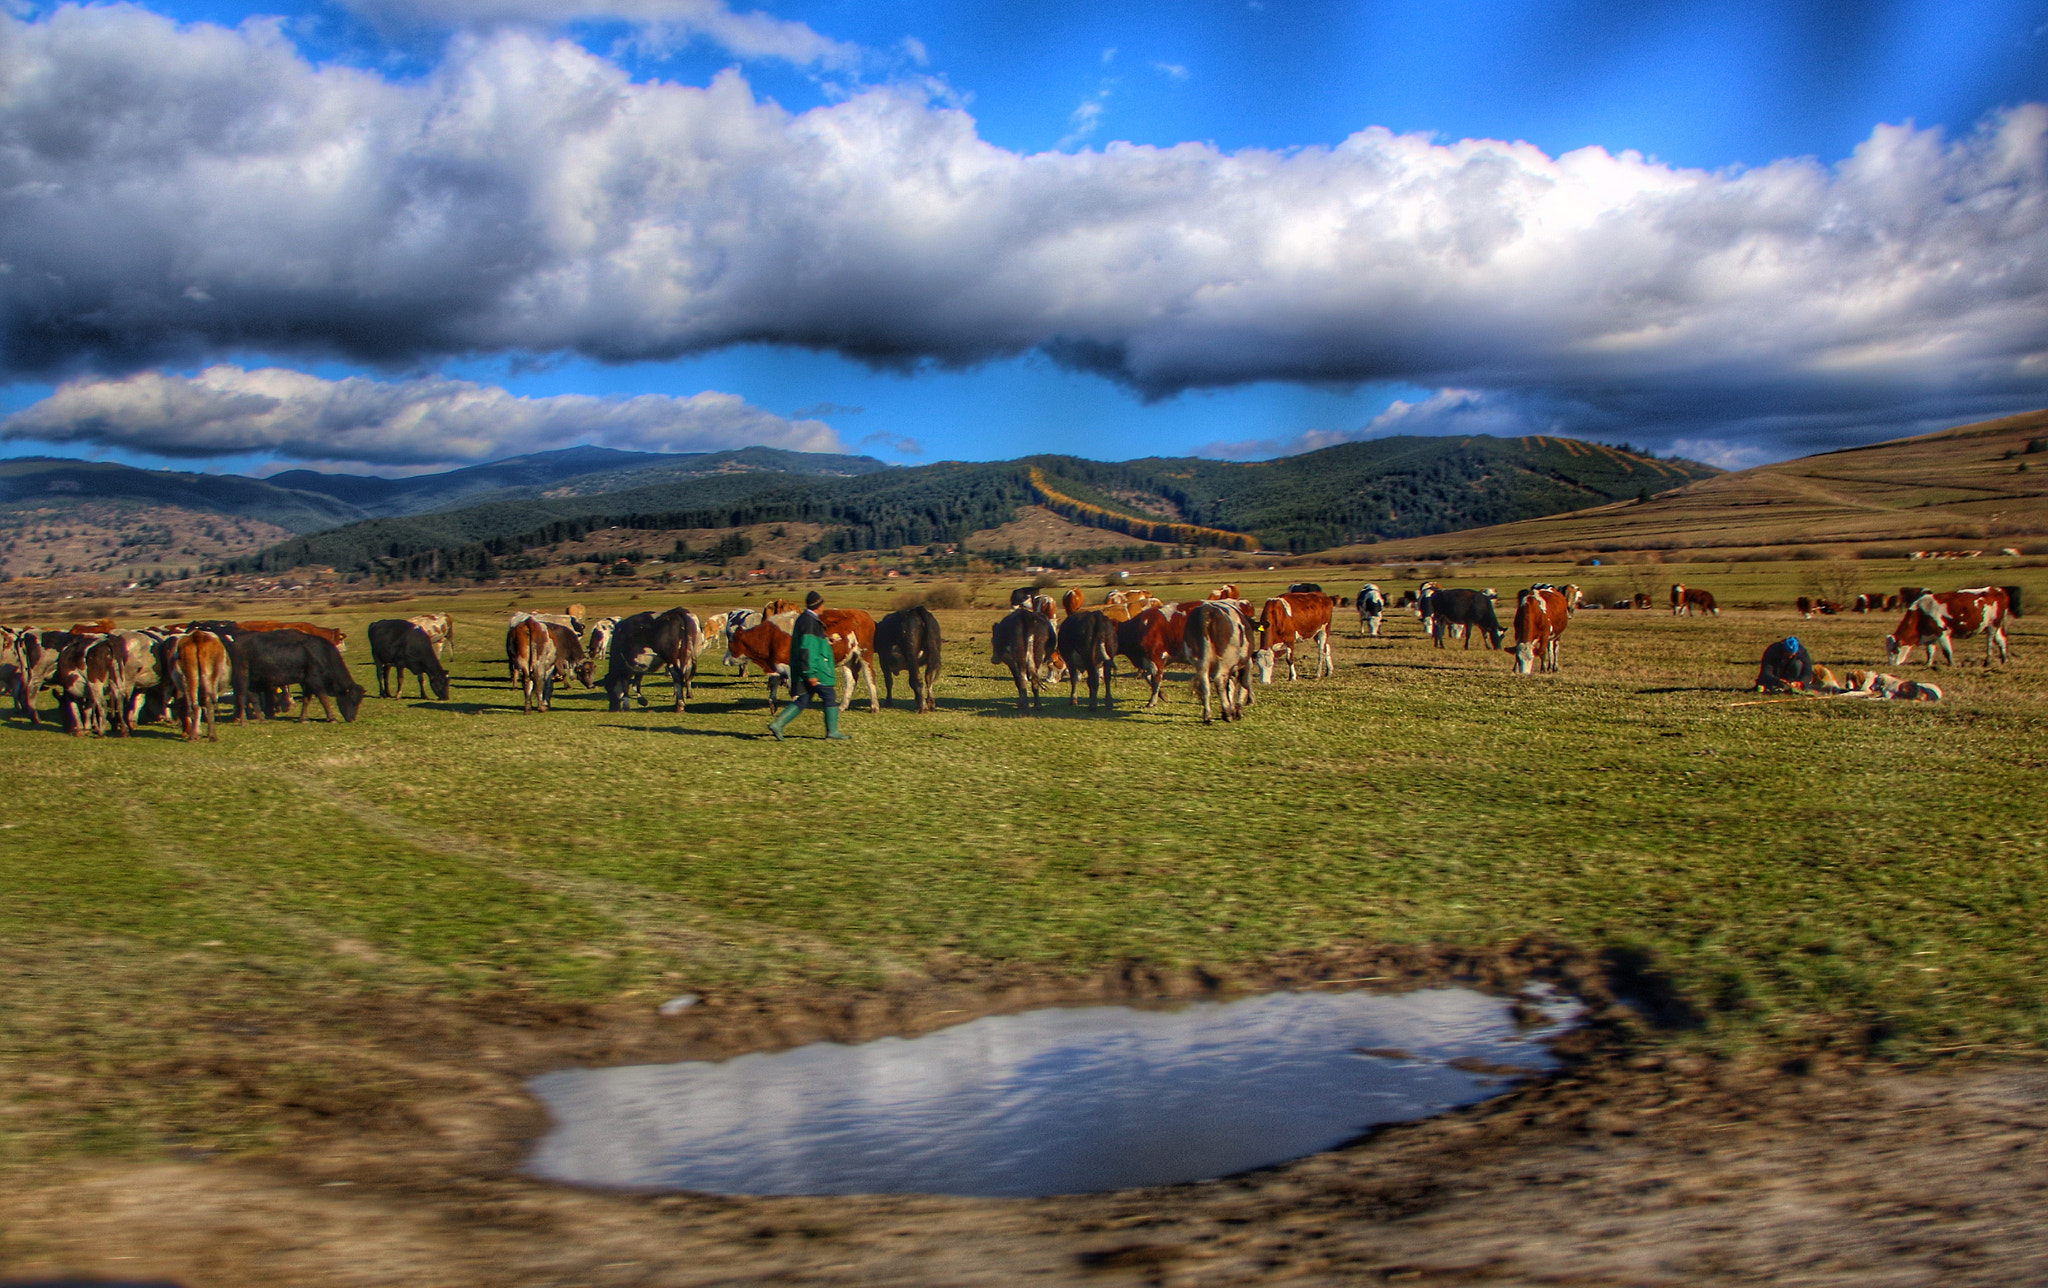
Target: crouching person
<point>812,672</point>
<point>1787,668</point>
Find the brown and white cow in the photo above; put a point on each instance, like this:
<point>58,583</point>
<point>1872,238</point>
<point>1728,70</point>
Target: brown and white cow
<point>1540,619</point>
<point>1933,621</point>
<point>1686,600</point>
<point>1286,621</point>
<point>530,652</point>
<point>1152,639</point>
<point>328,633</point>
<point>1218,640</point>
<point>440,629</point>
<point>1229,591</point>
<point>850,632</point>
<point>199,676</point>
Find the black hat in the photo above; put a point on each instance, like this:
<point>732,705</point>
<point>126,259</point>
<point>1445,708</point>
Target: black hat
<point>813,599</point>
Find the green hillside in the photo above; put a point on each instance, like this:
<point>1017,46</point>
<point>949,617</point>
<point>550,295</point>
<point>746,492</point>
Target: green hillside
<point>1362,491</point>
<point>43,483</point>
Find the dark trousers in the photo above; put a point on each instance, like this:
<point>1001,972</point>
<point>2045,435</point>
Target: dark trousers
<point>826,694</point>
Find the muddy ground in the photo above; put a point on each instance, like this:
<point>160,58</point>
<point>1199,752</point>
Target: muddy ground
<point>1641,1164</point>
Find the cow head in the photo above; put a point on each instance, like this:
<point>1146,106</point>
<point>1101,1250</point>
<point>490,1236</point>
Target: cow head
<point>1525,658</point>
<point>350,699</point>
<point>440,683</point>
<point>1894,651</point>
<point>1262,660</point>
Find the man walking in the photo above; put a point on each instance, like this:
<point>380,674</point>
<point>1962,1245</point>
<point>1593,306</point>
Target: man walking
<point>812,672</point>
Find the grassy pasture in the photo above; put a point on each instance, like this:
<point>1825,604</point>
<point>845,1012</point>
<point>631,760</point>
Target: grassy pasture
<point>1848,871</point>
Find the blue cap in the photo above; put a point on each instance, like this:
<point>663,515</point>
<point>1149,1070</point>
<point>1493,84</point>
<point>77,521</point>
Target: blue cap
<point>1791,643</point>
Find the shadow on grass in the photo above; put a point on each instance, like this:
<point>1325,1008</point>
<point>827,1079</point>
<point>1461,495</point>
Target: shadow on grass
<point>683,731</point>
<point>1693,688</point>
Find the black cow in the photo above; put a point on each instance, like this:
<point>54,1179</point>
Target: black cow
<point>262,662</point>
<point>908,640</point>
<point>398,645</point>
<point>1088,643</point>
<point>1470,609</point>
<point>1023,641</point>
<point>1022,595</point>
<point>2012,595</point>
<point>646,642</point>
<point>1304,588</point>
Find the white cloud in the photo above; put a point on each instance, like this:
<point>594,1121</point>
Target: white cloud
<point>1721,452</point>
<point>172,195</point>
<point>1447,411</point>
<point>1172,71</point>
<point>1086,117</point>
<point>226,410</point>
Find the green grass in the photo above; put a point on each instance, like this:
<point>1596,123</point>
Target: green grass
<point>1851,870</point>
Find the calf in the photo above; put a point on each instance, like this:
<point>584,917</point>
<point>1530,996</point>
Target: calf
<point>1024,642</point>
<point>908,640</point>
<point>199,674</point>
<point>1290,619</point>
<point>401,644</point>
<point>1372,606</point>
<point>1540,619</point>
<point>1087,642</point>
<point>646,642</point>
<point>262,662</point>
<point>1932,621</point>
<point>1218,640</point>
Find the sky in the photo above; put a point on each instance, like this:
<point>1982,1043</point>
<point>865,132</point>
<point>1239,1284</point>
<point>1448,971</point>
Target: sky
<point>389,236</point>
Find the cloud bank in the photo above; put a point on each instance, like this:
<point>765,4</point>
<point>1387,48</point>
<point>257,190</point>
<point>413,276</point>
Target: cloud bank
<point>227,410</point>
<point>173,195</point>
<point>752,35</point>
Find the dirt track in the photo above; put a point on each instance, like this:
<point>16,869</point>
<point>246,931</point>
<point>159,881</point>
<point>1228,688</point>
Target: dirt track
<point>1629,1169</point>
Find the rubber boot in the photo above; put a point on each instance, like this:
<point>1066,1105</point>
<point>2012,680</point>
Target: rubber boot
<point>782,719</point>
<point>832,724</point>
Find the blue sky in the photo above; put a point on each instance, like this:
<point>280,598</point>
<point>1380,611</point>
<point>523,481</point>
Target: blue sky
<point>1833,231</point>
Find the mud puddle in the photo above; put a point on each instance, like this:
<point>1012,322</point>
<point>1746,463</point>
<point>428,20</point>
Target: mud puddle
<point>1060,1100</point>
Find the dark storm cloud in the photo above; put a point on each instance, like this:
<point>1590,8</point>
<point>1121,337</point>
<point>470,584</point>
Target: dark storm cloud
<point>168,195</point>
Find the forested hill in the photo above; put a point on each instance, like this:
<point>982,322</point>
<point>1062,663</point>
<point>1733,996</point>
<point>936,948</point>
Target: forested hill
<point>1388,488</point>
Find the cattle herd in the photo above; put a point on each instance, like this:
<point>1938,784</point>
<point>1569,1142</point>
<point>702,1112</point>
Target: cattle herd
<point>106,680</point>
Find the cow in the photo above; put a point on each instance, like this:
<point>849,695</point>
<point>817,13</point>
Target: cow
<point>94,678</point>
<point>645,642</point>
<point>199,674</point>
<point>1123,605</point>
<point>1805,606</point>
<point>1304,588</point>
<point>1642,599</point>
<point>1218,640</point>
<point>598,647</point>
<point>849,631</point>
<point>1686,600</point>
<point>1881,685</point>
<point>908,640</point>
<point>1024,642</point>
<point>328,633</point>
<point>1459,609</point>
<point>1868,603</point>
<point>262,662</point>
<point>440,629</point>
<point>1228,591</point>
<point>530,652</point>
<point>1087,642</point>
<point>35,653</point>
<point>1372,606</point>
<point>1073,601</point>
<point>401,644</point>
<point>1151,639</point>
<point>2012,600</point>
<point>1286,621</point>
<point>1424,606</point>
<point>777,607</point>
<point>1932,621</point>
<point>1019,596</point>
<point>1540,618</point>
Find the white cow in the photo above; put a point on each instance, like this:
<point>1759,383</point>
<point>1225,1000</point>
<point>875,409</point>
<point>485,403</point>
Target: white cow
<point>1372,605</point>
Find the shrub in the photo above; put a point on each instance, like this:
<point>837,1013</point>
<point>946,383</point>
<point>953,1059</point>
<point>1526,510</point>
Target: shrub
<point>1045,581</point>
<point>946,595</point>
<point>1807,554</point>
<point>1880,552</point>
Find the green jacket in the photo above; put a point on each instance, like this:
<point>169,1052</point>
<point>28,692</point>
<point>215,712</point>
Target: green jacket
<point>810,653</point>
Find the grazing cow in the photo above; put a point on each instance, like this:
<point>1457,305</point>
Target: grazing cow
<point>1642,599</point>
<point>1151,639</point>
<point>96,676</point>
<point>262,662</point>
<point>908,640</point>
<point>35,654</point>
<point>1073,601</point>
<point>777,607</point>
<point>1229,591</point>
<point>1804,605</point>
<point>1044,605</point>
<point>2012,600</point>
<point>1286,621</point>
<point>1218,640</point>
<point>1460,609</point>
<point>401,644</point>
<point>1372,606</point>
<point>1024,642</point>
<point>440,629</point>
<point>1686,600</point>
<point>599,646</point>
<point>1932,621</point>
<point>102,626</point>
<point>645,642</point>
<point>199,674</point>
<point>1087,642</point>
<point>1868,603</point>
<point>721,626</point>
<point>1540,619</point>
<point>328,633</point>
<point>530,652</point>
<point>1019,596</point>
<point>1304,588</point>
